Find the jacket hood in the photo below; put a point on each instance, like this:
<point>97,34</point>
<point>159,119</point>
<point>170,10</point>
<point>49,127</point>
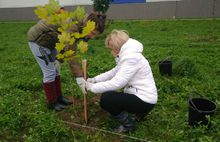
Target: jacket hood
<point>131,46</point>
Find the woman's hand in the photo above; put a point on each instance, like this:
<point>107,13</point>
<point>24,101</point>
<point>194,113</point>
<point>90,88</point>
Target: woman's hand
<point>89,86</point>
<point>91,80</point>
<point>82,84</point>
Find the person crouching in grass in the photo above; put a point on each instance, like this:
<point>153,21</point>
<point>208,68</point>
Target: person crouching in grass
<point>133,73</point>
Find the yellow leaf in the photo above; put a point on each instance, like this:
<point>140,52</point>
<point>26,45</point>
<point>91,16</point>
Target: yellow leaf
<point>68,53</point>
<point>71,57</point>
<point>66,22</point>
<point>67,26</point>
<point>64,37</point>
<point>53,19</point>
<point>60,56</point>
<point>64,27</point>
<point>60,46</point>
<point>64,15</point>
<point>61,29</point>
<point>72,40</point>
<point>78,13</point>
<point>76,35</point>
<point>53,6</point>
<point>90,26</point>
<point>41,12</point>
<point>72,23</point>
<point>82,46</point>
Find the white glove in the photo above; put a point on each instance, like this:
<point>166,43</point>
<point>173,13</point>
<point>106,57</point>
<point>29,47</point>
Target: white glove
<point>57,66</point>
<point>116,59</point>
<point>89,86</point>
<point>82,84</point>
<point>91,80</point>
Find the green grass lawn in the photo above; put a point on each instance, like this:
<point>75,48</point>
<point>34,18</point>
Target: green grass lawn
<point>192,45</point>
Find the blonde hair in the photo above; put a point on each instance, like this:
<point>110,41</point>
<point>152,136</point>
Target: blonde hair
<point>116,39</point>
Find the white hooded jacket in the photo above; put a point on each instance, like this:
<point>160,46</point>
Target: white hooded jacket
<point>132,72</point>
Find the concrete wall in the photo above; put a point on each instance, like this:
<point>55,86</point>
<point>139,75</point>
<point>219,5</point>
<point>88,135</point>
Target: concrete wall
<point>195,8</point>
<point>150,10</point>
<point>34,3</point>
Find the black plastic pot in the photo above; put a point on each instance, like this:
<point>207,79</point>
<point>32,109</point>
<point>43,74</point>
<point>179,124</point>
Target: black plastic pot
<point>199,108</point>
<point>165,67</point>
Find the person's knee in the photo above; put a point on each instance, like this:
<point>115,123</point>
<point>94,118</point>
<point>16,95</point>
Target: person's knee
<point>104,99</point>
<point>49,77</point>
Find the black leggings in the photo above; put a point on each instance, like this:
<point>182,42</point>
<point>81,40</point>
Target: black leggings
<point>116,102</point>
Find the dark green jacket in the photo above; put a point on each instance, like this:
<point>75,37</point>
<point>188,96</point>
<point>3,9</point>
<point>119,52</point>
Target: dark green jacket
<point>43,34</point>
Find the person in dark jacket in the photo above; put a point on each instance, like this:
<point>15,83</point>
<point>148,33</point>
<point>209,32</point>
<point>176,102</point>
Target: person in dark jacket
<point>42,39</point>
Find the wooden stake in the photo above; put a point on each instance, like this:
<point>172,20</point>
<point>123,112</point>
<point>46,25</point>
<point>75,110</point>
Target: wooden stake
<point>84,68</point>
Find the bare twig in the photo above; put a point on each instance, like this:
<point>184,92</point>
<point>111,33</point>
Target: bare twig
<point>105,131</point>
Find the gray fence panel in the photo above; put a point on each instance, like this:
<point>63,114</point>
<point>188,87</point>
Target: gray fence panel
<point>157,10</point>
<point>17,14</point>
<point>216,8</point>
<point>194,9</point>
<point>151,10</point>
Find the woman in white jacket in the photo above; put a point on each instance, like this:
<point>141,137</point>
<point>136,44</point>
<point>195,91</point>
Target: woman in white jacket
<point>133,73</point>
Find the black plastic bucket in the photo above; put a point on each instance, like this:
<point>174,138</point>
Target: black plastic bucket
<point>199,108</point>
<point>165,67</point>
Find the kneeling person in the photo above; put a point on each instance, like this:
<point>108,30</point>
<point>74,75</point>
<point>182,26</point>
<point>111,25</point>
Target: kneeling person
<point>133,73</point>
